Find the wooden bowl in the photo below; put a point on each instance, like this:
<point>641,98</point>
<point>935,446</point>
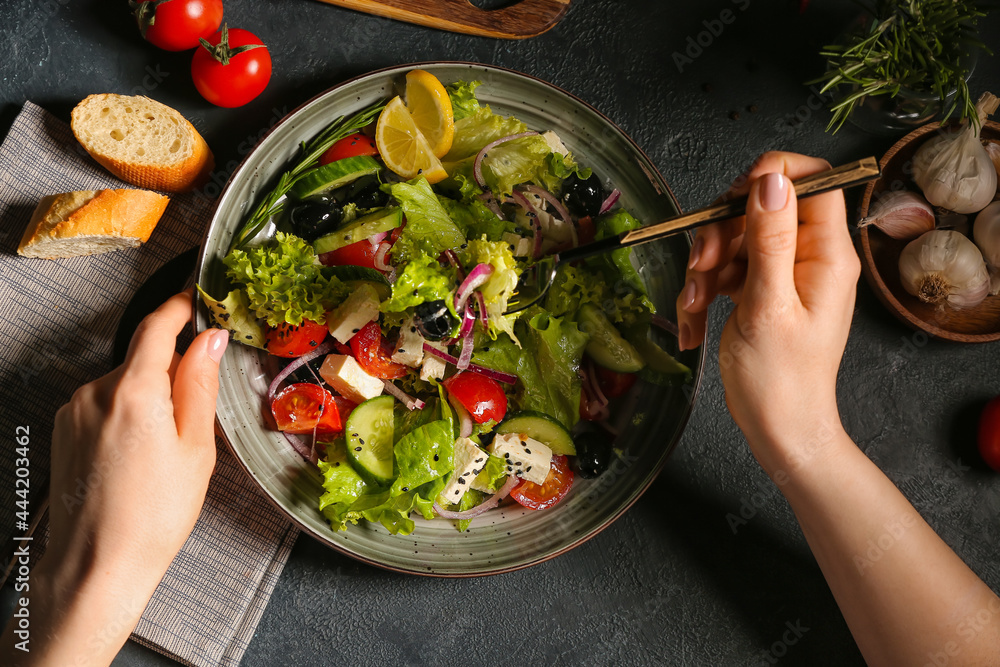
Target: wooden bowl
<point>880,256</point>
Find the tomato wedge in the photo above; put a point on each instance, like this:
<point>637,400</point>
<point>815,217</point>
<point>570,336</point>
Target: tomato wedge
<point>548,493</point>
<point>289,340</point>
<point>373,353</point>
<point>614,384</point>
<point>483,397</point>
<point>305,407</point>
<point>353,145</point>
<point>361,253</point>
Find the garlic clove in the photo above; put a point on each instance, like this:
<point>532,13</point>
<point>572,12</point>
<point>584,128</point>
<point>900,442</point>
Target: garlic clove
<point>943,266</point>
<point>901,214</point>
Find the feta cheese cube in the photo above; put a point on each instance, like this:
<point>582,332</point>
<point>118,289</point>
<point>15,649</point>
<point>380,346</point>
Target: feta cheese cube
<point>360,308</point>
<point>554,142</point>
<point>410,346</point>
<point>349,379</point>
<point>433,367</point>
<point>469,462</point>
<point>525,457</point>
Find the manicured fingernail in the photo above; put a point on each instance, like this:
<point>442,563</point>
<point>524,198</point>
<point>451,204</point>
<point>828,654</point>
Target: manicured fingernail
<point>773,192</point>
<point>699,244</point>
<point>684,337</point>
<point>689,294</point>
<point>217,345</point>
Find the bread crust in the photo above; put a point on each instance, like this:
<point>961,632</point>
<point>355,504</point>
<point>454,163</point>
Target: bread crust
<point>181,175</point>
<point>88,216</point>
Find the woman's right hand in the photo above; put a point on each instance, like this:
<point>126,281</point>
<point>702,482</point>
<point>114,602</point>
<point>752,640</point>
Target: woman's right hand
<point>791,270</point>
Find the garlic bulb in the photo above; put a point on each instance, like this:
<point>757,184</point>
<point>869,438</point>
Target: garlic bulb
<point>901,214</point>
<point>986,231</point>
<point>944,267</point>
<point>954,170</point>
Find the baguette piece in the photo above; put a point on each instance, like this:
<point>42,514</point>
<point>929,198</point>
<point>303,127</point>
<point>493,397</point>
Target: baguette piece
<point>88,222</point>
<point>143,142</point>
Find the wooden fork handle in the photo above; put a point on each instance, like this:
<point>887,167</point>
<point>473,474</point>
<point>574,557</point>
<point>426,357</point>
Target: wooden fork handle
<point>838,178</point>
<point>527,18</point>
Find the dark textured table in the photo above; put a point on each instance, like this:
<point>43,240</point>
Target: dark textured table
<point>676,580</point>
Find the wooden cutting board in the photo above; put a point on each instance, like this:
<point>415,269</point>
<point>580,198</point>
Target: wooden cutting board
<point>526,18</point>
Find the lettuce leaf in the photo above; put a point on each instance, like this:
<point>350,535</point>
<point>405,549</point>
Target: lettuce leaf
<point>424,455</point>
<point>233,315</point>
<point>284,281</point>
<point>428,228</point>
<point>476,130</point>
<point>546,364</point>
<point>463,98</point>
<point>422,279</point>
<point>499,287</point>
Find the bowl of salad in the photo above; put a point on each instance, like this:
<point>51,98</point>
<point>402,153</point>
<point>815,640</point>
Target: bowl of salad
<point>386,395</point>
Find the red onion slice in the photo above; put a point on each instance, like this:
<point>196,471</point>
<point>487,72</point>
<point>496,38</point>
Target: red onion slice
<point>482,507</point>
<point>477,168</point>
<point>407,400</point>
<point>295,365</point>
<point>477,276</point>
<point>665,324</point>
<point>610,201</point>
<point>499,376</point>
<point>557,205</point>
<point>380,262</point>
<point>464,418</point>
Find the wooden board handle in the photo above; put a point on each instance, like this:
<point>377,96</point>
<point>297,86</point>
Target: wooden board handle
<point>527,18</point>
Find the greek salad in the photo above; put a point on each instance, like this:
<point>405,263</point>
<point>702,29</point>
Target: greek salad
<point>379,270</point>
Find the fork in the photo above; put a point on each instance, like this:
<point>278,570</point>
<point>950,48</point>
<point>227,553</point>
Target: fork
<point>536,280</point>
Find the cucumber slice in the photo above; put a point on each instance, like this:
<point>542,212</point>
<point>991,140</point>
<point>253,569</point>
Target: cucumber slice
<point>606,346</point>
<point>382,220</point>
<point>332,176</point>
<point>541,427</point>
<point>368,432</point>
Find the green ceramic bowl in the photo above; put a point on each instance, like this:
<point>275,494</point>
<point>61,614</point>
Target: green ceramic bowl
<point>508,537</point>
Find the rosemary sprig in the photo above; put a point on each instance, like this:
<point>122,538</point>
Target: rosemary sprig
<point>921,45</point>
<point>272,204</point>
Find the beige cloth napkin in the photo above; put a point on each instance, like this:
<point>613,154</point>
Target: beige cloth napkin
<point>59,320</point>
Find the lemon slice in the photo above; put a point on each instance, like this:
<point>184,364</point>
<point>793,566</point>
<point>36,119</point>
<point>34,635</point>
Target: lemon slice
<point>403,147</point>
<point>430,107</point>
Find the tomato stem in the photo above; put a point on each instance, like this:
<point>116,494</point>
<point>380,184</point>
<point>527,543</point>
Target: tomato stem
<point>221,51</point>
<point>145,13</point>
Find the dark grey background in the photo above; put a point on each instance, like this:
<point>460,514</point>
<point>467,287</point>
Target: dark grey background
<point>670,582</point>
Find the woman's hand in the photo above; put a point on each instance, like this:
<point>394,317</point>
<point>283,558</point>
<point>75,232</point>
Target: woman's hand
<point>791,270</point>
<point>132,454</point>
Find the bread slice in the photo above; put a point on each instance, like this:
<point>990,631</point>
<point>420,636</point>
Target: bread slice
<point>88,222</point>
<point>143,142</point>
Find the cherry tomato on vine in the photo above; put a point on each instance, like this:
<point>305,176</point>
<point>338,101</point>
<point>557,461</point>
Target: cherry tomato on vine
<point>177,25</point>
<point>373,353</point>
<point>483,397</point>
<point>989,434</point>
<point>231,68</point>
<point>353,145</point>
<point>304,408</point>
<point>548,493</point>
<point>289,340</point>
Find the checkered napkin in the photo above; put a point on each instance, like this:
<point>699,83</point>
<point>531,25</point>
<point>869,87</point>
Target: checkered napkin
<point>59,320</point>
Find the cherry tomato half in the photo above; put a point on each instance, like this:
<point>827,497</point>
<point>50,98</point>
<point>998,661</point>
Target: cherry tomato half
<point>230,75</point>
<point>373,353</point>
<point>548,493</point>
<point>361,253</point>
<point>177,25</point>
<point>353,145</point>
<point>614,384</point>
<point>305,407</point>
<point>483,397</point>
<point>289,340</point>
<point>989,434</point>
